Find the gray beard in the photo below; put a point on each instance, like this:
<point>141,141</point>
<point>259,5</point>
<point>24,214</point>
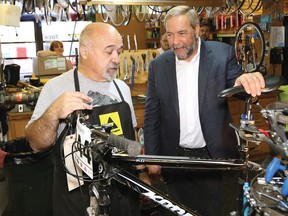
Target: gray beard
<point>190,49</point>
<point>109,77</point>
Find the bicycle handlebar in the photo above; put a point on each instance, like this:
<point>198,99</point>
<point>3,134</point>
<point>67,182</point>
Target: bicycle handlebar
<point>133,148</point>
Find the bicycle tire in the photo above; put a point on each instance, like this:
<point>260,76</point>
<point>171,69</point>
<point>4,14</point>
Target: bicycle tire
<point>140,13</point>
<point>123,15</point>
<point>258,6</point>
<point>258,30</point>
<point>28,7</point>
<point>159,9</point>
<point>226,9</point>
<point>211,11</point>
<point>248,6</point>
<point>103,17</point>
<point>198,9</point>
<point>154,13</point>
<point>253,9</point>
<point>236,6</point>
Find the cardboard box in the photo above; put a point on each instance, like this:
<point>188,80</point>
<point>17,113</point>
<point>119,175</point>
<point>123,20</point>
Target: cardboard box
<point>10,15</point>
<point>49,65</point>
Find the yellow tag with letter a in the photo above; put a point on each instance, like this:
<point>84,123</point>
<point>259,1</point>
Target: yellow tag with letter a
<point>113,119</point>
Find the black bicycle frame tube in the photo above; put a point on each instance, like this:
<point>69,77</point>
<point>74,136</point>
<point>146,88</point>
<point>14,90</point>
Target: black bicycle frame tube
<point>180,162</point>
<point>131,181</point>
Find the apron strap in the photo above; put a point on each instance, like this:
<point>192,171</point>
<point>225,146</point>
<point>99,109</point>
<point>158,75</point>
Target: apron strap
<point>121,96</point>
<point>76,80</point>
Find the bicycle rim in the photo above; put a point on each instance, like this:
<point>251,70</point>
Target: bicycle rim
<point>255,33</point>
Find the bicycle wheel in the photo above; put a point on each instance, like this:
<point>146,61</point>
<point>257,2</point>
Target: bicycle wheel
<point>235,5</point>
<point>154,14</point>
<point>253,7</point>
<point>211,11</point>
<point>199,9</point>
<point>140,12</point>
<point>122,15</point>
<point>104,13</point>
<point>250,47</point>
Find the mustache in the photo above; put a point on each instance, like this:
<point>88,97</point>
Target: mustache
<point>113,66</point>
<point>178,47</point>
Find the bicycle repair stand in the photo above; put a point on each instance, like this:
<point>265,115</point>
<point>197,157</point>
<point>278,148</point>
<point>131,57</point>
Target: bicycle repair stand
<point>99,198</point>
<point>246,124</point>
<point>100,191</point>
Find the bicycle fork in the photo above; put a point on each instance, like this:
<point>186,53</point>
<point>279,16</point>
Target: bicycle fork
<point>99,198</point>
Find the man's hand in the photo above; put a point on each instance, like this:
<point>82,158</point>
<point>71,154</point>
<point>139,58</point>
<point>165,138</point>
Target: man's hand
<point>67,103</point>
<point>42,133</point>
<point>154,171</point>
<point>252,83</point>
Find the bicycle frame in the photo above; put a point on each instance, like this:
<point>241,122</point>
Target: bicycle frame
<point>111,168</point>
<point>184,162</point>
<point>133,182</point>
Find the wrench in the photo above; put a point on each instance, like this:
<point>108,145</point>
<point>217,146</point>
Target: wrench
<point>133,70</point>
<point>144,61</point>
<point>126,77</point>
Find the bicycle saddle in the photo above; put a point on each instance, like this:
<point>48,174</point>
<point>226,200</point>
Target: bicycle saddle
<point>271,84</point>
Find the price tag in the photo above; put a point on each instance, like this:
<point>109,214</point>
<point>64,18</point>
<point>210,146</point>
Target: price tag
<point>72,181</point>
<point>83,155</point>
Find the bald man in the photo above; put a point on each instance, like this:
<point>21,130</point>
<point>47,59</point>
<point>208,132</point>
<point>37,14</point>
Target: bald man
<point>92,87</point>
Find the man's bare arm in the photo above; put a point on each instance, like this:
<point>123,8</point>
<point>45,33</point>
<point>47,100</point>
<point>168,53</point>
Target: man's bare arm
<point>42,133</point>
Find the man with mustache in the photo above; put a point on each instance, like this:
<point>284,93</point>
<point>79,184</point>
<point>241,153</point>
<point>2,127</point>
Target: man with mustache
<point>183,114</point>
<point>100,46</point>
<point>205,31</point>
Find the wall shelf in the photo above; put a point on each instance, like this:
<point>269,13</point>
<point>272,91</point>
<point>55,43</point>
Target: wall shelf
<point>226,35</point>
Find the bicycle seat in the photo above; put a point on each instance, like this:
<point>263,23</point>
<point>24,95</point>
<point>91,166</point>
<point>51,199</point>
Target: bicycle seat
<point>271,84</point>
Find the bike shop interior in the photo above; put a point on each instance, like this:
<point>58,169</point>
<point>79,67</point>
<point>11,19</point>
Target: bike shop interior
<point>140,23</point>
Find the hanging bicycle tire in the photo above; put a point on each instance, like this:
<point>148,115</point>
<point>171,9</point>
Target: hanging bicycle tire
<point>250,38</point>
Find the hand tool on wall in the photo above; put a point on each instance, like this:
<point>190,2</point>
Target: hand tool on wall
<point>135,42</point>
<point>148,57</point>
<point>133,70</point>
<point>154,55</point>
<point>118,72</point>
<point>138,64</point>
<point>128,42</point>
<point>126,77</point>
<point>122,35</point>
<point>144,61</point>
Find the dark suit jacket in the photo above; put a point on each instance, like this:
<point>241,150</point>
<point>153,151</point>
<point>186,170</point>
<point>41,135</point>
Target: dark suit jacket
<point>218,70</point>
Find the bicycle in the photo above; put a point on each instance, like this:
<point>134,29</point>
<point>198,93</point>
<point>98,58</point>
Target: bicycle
<point>111,163</point>
<point>267,192</point>
<point>110,166</point>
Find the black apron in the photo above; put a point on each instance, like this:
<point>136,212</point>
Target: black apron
<point>124,201</point>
